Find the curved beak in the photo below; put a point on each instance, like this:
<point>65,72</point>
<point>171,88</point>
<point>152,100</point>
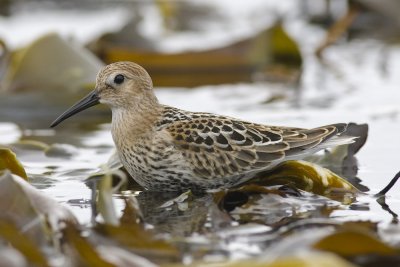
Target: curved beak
<point>86,102</point>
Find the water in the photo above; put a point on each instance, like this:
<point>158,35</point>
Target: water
<point>358,82</point>
<point>372,101</point>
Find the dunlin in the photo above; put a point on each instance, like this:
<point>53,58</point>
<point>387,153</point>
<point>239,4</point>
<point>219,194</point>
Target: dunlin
<point>168,149</point>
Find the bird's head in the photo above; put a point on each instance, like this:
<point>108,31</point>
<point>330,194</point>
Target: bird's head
<point>118,85</point>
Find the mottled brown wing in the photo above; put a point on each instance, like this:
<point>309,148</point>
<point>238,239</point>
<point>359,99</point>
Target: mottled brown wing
<point>302,140</point>
<point>218,146</point>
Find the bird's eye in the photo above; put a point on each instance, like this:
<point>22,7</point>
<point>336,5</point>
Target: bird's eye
<point>119,79</point>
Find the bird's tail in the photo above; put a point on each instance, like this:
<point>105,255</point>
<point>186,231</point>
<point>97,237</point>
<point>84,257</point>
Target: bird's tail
<point>337,140</point>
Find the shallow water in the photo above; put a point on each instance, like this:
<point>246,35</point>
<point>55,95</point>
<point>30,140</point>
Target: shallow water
<point>357,83</point>
<point>370,98</point>
<point>84,149</point>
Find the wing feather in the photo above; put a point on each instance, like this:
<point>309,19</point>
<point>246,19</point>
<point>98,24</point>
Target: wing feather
<point>218,146</point>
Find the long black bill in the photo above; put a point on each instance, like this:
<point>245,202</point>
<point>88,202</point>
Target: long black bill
<point>86,102</point>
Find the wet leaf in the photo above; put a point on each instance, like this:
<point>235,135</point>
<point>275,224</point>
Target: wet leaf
<point>83,252</point>
<point>8,160</point>
<point>27,247</point>
<point>352,242</point>
<point>29,209</point>
<point>309,177</point>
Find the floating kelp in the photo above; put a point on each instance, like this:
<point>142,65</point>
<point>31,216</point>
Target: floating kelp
<point>35,75</point>
<point>36,217</point>
<point>356,241</point>
<point>32,148</point>
<point>307,176</point>
<point>83,252</point>
<point>237,62</point>
<point>332,244</point>
<point>300,174</point>
<point>27,248</point>
<point>32,145</point>
<point>287,201</point>
<point>275,220</point>
<point>50,62</point>
<point>8,160</point>
<point>61,151</point>
<point>284,50</point>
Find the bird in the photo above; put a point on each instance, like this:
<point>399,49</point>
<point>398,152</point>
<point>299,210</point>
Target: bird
<point>168,149</point>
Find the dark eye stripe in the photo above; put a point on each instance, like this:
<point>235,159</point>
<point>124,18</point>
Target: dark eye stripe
<point>119,78</point>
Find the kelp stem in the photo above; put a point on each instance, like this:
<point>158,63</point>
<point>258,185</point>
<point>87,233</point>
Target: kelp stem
<point>389,186</point>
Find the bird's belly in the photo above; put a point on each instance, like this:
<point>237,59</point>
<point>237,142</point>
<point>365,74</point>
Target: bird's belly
<point>166,171</point>
<point>157,169</point>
